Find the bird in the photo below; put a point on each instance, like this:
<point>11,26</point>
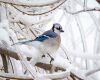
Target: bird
<point>50,40</point>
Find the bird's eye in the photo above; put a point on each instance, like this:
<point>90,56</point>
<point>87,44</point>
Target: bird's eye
<point>58,28</point>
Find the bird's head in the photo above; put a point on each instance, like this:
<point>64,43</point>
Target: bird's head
<point>57,28</point>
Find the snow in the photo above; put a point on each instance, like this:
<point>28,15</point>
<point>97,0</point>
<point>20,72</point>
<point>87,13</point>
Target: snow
<point>80,39</point>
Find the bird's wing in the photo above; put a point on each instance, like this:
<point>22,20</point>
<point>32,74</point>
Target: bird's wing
<point>46,35</point>
<point>41,38</point>
<point>50,34</point>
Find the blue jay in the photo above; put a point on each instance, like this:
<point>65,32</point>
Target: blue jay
<point>50,40</point>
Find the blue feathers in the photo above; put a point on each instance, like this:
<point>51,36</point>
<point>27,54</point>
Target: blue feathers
<point>46,35</point>
<point>41,38</point>
<point>50,34</point>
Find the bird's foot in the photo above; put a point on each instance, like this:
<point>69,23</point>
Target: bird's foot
<point>52,59</point>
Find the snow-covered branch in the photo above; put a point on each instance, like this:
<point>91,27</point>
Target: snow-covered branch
<point>31,4</point>
<point>41,13</point>
<point>14,76</point>
<point>90,72</point>
<point>86,10</point>
<point>27,20</point>
<point>13,54</point>
<point>84,55</point>
<point>60,75</point>
<point>57,75</point>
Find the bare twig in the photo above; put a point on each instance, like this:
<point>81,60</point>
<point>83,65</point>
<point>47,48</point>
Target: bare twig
<point>4,60</point>
<point>74,76</point>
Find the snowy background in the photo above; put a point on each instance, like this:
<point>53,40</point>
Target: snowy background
<point>80,49</point>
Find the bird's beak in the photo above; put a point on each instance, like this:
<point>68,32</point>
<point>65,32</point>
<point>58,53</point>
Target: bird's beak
<point>61,30</point>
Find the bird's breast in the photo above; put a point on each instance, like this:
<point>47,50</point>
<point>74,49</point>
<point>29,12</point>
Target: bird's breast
<point>52,44</point>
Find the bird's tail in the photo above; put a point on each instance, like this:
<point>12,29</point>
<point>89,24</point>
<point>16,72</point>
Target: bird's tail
<point>18,43</point>
<point>23,42</point>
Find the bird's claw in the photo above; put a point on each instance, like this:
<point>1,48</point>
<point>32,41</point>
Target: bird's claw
<point>52,59</point>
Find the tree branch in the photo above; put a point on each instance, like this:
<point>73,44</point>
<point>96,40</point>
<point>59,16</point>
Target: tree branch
<point>90,72</point>
<point>9,52</point>
<point>28,4</point>
<point>62,1</point>
<point>4,60</point>
<point>26,77</point>
<point>13,54</point>
<point>80,11</point>
<point>14,76</point>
